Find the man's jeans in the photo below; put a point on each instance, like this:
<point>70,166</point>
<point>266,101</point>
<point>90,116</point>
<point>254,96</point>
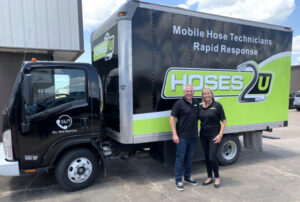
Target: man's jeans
<point>184,156</point>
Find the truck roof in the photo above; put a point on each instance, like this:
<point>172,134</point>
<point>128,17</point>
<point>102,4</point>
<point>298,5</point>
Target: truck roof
<point>130,6</point>
<point>48,62</point>
<point>184,11</point>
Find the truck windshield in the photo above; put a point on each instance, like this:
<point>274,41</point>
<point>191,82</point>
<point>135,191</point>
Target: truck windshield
<point>297,94</point>
<point>54,87</point>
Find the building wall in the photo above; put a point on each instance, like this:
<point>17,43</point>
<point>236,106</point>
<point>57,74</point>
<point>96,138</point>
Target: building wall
<point>295,79</point>
<point>41,26</point>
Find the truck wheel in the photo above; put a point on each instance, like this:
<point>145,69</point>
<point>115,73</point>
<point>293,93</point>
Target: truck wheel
<point>298,109</point>
<point>229,150</point>
<point>76,170</point>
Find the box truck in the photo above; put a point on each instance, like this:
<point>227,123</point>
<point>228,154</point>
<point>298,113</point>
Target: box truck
<point>71,117</point>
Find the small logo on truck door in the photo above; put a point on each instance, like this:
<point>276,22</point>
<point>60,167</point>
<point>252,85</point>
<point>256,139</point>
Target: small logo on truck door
<point>64,122</point>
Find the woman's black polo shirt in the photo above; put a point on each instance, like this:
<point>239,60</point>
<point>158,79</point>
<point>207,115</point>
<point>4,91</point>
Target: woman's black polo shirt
<point>210,118</point>
<point>187,116</point>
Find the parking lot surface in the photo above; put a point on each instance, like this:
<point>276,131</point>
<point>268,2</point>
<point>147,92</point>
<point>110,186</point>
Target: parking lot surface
<point>271,175</point>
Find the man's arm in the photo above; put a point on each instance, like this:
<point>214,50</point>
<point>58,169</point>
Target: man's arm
<point>173,120</point>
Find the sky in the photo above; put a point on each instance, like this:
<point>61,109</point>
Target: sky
<point>279,12</point>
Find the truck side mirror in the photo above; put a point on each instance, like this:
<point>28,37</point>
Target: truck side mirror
<point>27,89</point>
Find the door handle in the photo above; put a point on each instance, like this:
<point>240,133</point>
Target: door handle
<point>25,127</point>
<point>84,123</point>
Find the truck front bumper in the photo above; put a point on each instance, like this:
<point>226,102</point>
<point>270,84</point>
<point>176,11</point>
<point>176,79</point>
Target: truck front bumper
<point>8,168</point>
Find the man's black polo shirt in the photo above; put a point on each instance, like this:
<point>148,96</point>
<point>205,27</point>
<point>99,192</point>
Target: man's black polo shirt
<point>187,116</point>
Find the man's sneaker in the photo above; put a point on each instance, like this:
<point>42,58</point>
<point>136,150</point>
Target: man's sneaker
<point>179,186</point>
<point>191,181</point>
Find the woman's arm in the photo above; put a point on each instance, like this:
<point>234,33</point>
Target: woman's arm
<point>218,138</point>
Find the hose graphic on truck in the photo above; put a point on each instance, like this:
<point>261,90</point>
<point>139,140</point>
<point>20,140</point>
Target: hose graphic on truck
<point>246,82</point>
<point>253,66</point>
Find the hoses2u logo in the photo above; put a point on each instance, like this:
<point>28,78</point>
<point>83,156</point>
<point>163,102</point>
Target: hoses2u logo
<point>245,82</point>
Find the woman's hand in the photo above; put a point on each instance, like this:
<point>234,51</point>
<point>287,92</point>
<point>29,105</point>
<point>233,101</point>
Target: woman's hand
<point>218,138</point>
<point>175,139</point>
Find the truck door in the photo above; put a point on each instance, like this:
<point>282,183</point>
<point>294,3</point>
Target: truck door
<point>61,111</point>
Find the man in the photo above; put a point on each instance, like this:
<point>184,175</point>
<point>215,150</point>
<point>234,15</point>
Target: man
<point>184,124</point>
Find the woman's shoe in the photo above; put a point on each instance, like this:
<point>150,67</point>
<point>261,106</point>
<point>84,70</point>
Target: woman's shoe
<point>217,185</point>
<point>207,183</point>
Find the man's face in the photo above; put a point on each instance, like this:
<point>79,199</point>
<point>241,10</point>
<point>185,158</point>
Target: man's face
<point>188,92</point>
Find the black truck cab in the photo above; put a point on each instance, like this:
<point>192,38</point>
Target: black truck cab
<point>55,109</point>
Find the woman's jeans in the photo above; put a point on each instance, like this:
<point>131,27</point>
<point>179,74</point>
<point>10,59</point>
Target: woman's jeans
<point>184,157</point>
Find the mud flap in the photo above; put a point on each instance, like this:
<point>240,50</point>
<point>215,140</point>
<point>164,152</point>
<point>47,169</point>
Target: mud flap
<point>103,160</point>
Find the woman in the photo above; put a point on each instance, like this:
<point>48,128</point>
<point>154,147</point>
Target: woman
<point>213,123</point>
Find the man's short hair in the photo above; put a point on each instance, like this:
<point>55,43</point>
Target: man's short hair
<point>188,85</point>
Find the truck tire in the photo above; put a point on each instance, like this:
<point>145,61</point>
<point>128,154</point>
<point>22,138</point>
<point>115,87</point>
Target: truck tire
<point>298,109</point>
<point>77,169</point>
<point>229,150</point>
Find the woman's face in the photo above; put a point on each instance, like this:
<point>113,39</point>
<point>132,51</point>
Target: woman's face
<point>207,95</point>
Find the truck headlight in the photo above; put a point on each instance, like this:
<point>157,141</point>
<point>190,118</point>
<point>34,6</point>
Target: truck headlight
<point>7,145</point>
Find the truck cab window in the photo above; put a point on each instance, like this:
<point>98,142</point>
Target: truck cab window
<point>55,87</point>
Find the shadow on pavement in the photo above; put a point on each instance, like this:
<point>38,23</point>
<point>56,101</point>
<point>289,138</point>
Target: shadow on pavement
<point>133,171</point>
